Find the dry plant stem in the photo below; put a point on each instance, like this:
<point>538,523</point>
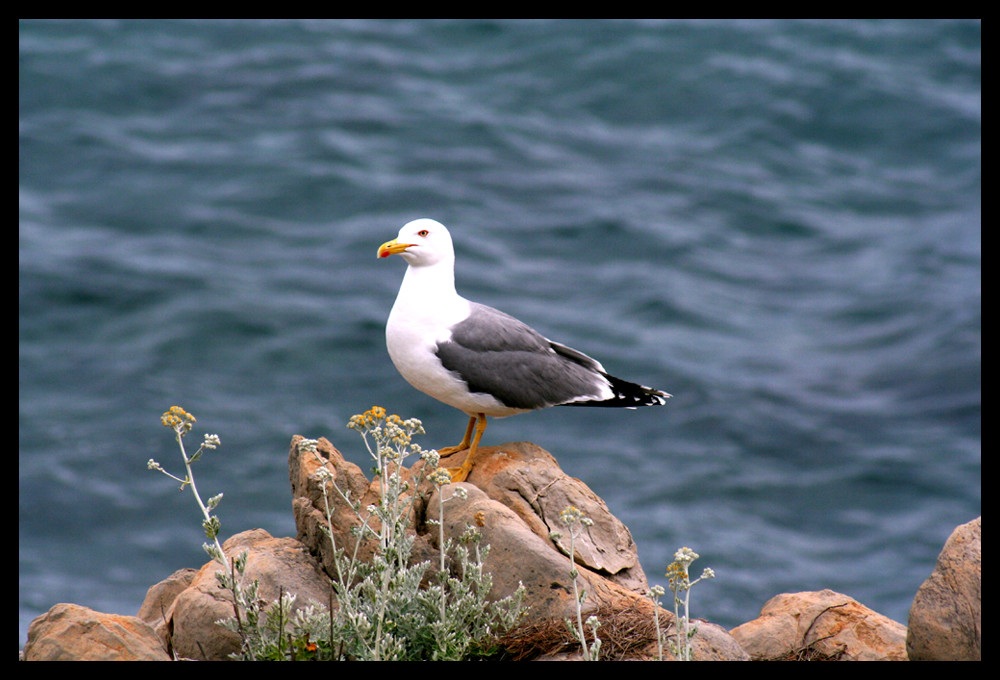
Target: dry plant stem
<point>576,521</point>
<point>194,489</point>
<point>576,598</point>
<point>441,550</point>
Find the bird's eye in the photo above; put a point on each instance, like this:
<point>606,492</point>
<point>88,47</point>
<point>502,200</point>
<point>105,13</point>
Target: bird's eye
<point>423,232</point>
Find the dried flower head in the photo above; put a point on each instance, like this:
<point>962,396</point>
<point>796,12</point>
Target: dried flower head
<point>177,419</point>
<point>440,477</point>
<point>571,515</point>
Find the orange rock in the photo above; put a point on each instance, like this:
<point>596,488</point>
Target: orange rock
<point>946,619</point>
<point>69,632</point>
<point>821,624</point>
<point>278,564</point>
<point>515,494</point>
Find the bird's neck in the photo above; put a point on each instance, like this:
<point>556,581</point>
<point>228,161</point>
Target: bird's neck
<point>426,284</point>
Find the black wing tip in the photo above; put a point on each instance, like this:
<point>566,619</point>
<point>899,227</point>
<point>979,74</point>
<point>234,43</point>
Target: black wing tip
<point>658,397</point>
<point>640,395</point>
<point>650,397</point>
<point>628,395</point>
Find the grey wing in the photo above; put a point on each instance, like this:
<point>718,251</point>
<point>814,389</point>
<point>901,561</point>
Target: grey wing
<point>496,354</point>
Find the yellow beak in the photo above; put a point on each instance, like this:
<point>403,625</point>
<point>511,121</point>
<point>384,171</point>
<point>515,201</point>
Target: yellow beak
<point>393,247</point>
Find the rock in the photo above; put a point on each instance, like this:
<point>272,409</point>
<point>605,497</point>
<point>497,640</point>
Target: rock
<point>517,533</point>
<point>157,609</point>
<point>514,496</point>
<point>529,481</point>
<point>278,564</point>
<point>519,556</point>
<point>69,632</point>
<point>309,504</point>
<point>945,621</point>
<point>822,624</point>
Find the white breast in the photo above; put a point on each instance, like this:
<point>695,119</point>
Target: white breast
<point>411,336</point>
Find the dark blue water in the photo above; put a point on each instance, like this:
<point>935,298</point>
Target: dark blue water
<point>778,222</point>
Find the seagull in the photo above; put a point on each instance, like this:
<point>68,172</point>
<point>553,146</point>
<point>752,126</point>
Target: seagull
<point>478,359</point>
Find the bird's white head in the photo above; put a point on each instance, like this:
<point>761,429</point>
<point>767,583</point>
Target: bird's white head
<point>421,243</point>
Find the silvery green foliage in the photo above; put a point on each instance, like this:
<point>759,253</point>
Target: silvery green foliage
<point>576,521</point>
<point>381,610</point>
<point>680,585</point>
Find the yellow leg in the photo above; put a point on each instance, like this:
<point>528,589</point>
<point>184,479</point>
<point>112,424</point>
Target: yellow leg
<point>460,474</point>
<point>466,440</point>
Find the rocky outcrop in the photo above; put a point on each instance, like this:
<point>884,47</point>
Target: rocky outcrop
<point>946,619</point>
<point>277,564</point>
<point>821,625</point>
<point>69,632</point>
<point>514,497</point>
<point>157,608</point>
<point>528,481</point>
